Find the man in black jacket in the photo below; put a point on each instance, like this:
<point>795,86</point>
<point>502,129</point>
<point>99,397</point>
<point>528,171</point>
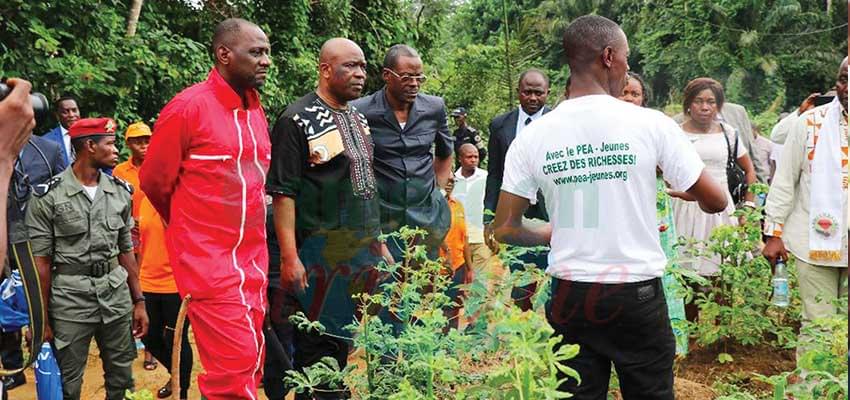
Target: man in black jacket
<point>532,91</point>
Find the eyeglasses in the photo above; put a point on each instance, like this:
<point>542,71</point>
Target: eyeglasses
<point>408,78</point>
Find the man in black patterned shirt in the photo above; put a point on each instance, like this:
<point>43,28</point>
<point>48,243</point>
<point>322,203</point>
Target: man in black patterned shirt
<point>322,166</point>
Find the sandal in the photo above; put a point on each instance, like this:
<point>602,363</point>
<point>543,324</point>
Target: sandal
<point>150,365</point>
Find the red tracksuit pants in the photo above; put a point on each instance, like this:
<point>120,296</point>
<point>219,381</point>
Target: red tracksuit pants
<point>230,342</point>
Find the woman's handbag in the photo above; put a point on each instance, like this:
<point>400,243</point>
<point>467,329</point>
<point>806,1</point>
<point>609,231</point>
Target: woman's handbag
<point>735,176</point>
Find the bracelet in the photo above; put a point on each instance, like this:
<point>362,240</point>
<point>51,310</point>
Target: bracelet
<point>140,299</point>
<point>749,204</point>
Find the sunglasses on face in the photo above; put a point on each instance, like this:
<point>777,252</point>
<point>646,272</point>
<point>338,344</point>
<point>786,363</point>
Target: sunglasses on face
<point>407,78</point>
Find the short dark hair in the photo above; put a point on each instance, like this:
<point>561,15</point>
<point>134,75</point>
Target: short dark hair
<point>64,98</point>
<point>532,71</point>
<point>586,36</point>
<point>396,51</point>
<point>698,85</point>
<point>225,30</point>
<point>646,91</point>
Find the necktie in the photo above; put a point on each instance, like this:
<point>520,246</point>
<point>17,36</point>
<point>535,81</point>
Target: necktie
<point>528,120</point>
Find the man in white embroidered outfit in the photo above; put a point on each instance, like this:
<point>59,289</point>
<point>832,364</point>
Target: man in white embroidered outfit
<point>807,206</point>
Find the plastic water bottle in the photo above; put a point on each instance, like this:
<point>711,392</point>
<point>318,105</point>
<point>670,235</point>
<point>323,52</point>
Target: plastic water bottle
<point>780,285</point>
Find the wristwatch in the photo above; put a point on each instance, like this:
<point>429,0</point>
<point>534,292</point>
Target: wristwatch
<point>139,299</point>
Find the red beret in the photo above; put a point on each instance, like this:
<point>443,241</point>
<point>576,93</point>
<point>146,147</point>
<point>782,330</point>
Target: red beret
<point>91,126</point>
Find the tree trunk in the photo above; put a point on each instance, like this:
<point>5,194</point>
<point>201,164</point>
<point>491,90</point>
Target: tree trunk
<point>133,21</point>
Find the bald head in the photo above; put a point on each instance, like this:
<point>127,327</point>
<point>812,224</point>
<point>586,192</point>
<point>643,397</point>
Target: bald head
<point>467,148</point>
<point>587,36</point>
<point>342,70</point>
<point>335,48</point>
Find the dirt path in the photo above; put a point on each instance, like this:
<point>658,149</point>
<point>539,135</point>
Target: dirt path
<point>93,388</point>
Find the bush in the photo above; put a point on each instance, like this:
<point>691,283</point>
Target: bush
<point>736,307</point>
<point>504,354</point>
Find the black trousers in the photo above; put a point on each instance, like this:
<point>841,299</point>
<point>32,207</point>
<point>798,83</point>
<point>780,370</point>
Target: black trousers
<point>162,311</point>
<point>625,324</point>
<point>11,355</point>
<point>310,347</point>
<point>281,307</point>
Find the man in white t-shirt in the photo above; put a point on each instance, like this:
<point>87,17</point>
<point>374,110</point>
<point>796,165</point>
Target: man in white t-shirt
<point>470,183</point>
<point>594,158</point>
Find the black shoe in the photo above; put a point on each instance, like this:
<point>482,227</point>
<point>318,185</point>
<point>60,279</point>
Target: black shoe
<point>164,392</point>
<point>13,381</point>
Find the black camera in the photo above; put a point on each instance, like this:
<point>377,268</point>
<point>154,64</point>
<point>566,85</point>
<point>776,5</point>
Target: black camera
<point>40,106</point>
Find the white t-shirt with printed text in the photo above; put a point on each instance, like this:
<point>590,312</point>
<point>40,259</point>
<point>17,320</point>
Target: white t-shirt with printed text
<point>595,158</point>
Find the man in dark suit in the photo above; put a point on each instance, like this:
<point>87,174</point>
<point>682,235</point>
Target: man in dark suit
<point>533,90</point>
<point>39,160</point>
<point>67,112</point>
<point>405,125</point>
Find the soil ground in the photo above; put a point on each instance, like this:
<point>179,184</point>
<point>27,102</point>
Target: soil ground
<point>695,374</point>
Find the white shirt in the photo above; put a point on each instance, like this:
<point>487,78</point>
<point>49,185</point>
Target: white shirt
<point>604,228</point>
<point>66,138</point>
<point>776,154</point>
<point>90,191</point>
<point>470,193</point>
<point>520,122</point>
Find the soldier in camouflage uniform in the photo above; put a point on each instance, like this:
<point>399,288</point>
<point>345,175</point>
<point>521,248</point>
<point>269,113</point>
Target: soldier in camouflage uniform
<point>79,226</point>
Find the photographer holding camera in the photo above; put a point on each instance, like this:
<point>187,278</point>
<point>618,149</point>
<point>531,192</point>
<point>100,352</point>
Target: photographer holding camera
<point>37,162</point>
<point>17,120</point>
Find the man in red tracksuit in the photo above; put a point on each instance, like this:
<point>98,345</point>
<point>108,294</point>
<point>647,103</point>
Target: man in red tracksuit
<point>204,173</point>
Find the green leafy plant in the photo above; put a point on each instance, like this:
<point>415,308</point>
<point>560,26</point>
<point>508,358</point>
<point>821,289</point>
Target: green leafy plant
<point>408,350</point>
<point>143,394</point>
<point>822,368</point>
<point>736,307</point>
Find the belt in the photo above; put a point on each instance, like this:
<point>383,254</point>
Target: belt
<point>96,270</point>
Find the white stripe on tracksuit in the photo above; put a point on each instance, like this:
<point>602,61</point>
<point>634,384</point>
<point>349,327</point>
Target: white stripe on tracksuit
<point>244,210</point>
<point>262,201</point>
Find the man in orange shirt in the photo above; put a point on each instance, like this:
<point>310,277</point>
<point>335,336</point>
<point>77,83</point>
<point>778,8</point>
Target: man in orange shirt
<point>137,137</point>
<point>162,299</point>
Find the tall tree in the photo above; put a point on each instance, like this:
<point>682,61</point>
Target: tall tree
<point>133,19</point>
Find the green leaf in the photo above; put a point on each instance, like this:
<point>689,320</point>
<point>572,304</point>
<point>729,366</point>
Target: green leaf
<point>724,358</point>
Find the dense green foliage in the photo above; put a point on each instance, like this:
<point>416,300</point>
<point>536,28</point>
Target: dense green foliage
<point>80,47</point>
<point>763,50</point>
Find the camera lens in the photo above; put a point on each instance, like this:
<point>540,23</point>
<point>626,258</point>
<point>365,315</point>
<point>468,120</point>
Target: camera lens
<point>39,103</point>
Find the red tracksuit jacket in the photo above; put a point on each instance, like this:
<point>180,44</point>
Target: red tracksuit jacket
<point>205,173</point>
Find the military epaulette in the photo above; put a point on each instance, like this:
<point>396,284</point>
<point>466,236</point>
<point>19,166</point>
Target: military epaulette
<point>42,189</point>
<point>126,185</point>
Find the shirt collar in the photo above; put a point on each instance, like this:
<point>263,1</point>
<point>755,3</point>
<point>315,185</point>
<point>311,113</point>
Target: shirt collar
<point>476,174</point>
<point>77,187</point>
<point>225,93</point>
<point>131,164</point>
<point>523,115</point>
<point>63,130</point>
